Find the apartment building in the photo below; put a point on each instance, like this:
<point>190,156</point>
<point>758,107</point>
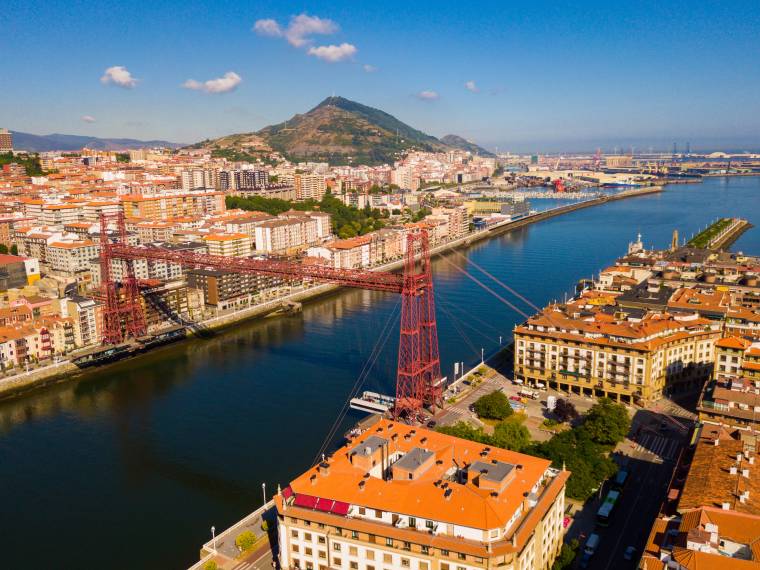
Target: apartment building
<point>229,290</point>
<point>458,220</point>
<point>228,245</point>
<point>405,498</point>
<point>6,140</point>
<point>199,178</point>
<point>733,397</point>
<point>71,257</point>
<point>179,205</point>
<point>83,311</point>
<point>603,351</point>
<point>353,253</point>
<point>310,186</point>
<point>286,236</point>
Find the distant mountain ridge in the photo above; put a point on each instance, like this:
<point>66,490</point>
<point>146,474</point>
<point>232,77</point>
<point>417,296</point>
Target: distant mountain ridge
<point>58,141</point>
<point>338,131</point>
<point>461,143</point>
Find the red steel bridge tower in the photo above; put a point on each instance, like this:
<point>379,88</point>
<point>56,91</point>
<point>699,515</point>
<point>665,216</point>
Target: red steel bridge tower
<point>418,381</point>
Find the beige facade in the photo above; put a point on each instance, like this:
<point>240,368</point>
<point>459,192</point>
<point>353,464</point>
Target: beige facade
<point>228,245</point>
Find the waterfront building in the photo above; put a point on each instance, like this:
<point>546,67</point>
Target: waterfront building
<point>605,351</point>
<point>404,498</point>
<point>224,290</point>
<point>68,258</point>
<point>288,235</point>
<point>17,271</point>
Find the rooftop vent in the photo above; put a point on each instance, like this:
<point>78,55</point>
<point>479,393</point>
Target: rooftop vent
<point>447,493</point>
<point>423,440</point>
<point>732,470</point>
<point>725,506</point>
<point>362,483</point>
<point>745,473</point>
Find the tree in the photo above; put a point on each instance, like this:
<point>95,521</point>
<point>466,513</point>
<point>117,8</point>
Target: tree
<point>566,555</point>
<point>607,423</point>
<point>245,540</point>
<point>14,249</point>
<point>565,410</point>
<point>511,434</point>
<point>493,406</point>
<point>463,430</point>
<point>3,248</point>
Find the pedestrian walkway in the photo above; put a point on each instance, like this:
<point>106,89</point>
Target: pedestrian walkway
<point>663,447</point>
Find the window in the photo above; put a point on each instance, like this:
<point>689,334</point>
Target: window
<point>405,562</point>
<point>370,554</point>
<point>307,551</point>
<point>353,551</point>
<point>425,549</point>
<point>322,554</point>
<point>388,542</point>
<point>354,565</point>
<point>370,567</point>
<point>296,563</point>
<point>321,525</point>
<point>294,548</point>
<point>444,566</point>
<point>412,522</point>
<point>462,556</point>
<point>294,533</point>
<point>309,566</point>
<point>378,514</point>
<point>336,546</point>
<point>362,511</point>
<point>354,534</point>
<point>387,558</point>
<point>337,561</point>
<point>429,524</point>
<point>321,539</point>
<point>307,536</point>
<point>423,565</point>
<point>307,523</point>
<point>293,521</point>
<point>444,553</point>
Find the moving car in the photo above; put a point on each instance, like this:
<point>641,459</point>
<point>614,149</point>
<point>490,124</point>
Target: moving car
<point>629,553</point>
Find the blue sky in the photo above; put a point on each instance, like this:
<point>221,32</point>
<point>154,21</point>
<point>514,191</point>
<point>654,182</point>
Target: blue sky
<point>546,77</point>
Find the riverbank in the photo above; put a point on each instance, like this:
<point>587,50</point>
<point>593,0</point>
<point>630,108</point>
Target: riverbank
<point>22,383</point>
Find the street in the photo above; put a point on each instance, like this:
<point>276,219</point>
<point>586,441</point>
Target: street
<point>649,454</point>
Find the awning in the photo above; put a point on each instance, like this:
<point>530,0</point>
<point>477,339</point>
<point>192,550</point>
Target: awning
<point>287,492</point>
<point>306,501</point>
<point>340,508</point>
<point>324,505</point>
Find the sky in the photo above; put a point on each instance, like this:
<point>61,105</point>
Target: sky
<point>517,76</point>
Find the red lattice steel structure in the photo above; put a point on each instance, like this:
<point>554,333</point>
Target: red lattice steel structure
<point>419,369</point>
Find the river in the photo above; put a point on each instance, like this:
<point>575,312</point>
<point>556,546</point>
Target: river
<point>129,466</point>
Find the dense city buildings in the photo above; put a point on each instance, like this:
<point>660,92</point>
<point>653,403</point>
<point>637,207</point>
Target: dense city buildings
<point>406,498</point>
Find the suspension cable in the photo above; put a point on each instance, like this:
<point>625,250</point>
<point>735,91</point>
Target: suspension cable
<point>376,350</point>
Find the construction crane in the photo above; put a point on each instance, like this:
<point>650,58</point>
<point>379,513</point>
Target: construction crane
<point>418,379</point>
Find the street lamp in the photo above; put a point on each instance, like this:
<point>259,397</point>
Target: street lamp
<point>213,537</point>
<point>482,359</point>
<point>264,492</point>
<point>499,340</point>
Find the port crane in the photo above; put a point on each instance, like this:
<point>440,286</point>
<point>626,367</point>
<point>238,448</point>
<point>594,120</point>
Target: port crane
<point>418,378</point>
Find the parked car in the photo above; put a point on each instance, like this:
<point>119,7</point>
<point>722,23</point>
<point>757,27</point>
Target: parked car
<point>471,407</point>
<point>629,553</point>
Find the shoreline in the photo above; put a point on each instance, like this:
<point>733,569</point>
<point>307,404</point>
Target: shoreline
<point>19,385</point>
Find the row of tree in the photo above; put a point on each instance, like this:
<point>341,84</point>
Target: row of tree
<point>584,449</point>
<point>347,221</point>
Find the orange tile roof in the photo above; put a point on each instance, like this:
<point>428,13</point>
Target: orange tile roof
<point>733,342</point>
<point>467,505</point>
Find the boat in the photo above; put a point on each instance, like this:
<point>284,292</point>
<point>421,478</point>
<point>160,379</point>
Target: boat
<point>372,403</point>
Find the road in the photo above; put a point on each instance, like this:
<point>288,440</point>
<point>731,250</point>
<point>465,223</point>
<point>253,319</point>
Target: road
<point>657,436</point>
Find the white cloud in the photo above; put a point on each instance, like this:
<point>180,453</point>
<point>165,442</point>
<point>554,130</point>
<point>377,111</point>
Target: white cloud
<point>88,118</point>
<point>118,75</point>
<point>299,30</point>
<point>267,27</point>
<point>333,53</point>
<point>228,82</point>
<point>470,86</point>
<point>427,95</point>
<point>302,26</point>
<point>369,68</point>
